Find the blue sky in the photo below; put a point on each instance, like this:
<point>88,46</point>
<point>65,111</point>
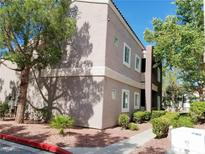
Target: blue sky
<point>139,13</point>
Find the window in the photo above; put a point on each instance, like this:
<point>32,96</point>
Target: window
<point>137,63</point>
<point>114,93</point>
<point>136,100</point>
<point>127,55</point>
<point>158,74</point>
<point>125,100</point>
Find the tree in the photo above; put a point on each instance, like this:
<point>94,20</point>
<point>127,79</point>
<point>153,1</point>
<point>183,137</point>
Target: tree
<point>172,90</point>
<point>32,33</point>
<point>179,42</point>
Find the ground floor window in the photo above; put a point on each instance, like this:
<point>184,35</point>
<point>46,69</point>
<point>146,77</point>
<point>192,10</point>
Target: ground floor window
<point>136,100</point>
<point>125,100</point>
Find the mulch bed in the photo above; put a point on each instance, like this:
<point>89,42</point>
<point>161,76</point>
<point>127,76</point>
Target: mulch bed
<point>77,137</point>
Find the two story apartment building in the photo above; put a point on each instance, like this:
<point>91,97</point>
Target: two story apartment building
<point>105,70</point>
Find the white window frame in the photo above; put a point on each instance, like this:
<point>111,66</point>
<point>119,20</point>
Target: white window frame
<point>158,74</point>
<point>124,62</point>
<point>138,101</point>
<point>140,60</point>
<point>128,93</point>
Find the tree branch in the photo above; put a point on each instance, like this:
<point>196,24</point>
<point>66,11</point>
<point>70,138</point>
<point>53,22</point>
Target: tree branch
<point>14,69</point>
<point>38,85</point>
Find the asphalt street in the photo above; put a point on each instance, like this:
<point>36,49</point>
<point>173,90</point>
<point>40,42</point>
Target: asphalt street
<point>13,148</point>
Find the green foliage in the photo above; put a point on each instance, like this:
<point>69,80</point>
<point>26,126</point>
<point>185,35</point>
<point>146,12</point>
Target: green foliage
<point>197,111</point>
<point>183,121</point>
<point>179,42</point>
<point>133,126</point>
<point>139,116</point>
<point>123,120</point>
<point>171,116</point>
<point>147,116</point>
<point>62,122</point>
<point>157,114</point>
<point>4,109</point>
<point>45,22</point>
<point>33,34</point>
<point>160,127</point>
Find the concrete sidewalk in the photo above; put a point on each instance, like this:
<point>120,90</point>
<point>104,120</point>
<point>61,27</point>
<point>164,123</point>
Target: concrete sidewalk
<point>122,147</point>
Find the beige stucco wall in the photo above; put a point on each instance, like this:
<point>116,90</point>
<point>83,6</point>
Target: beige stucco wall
<point>112,108</point>
<point>114,54</point>
<point>80,97</point>
<point>8,81</point>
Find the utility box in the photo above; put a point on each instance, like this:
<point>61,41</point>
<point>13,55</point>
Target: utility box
<point>188,141</point>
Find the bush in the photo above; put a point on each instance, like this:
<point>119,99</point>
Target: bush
<point>139,116</point>
<point>157,113</point>
<point>62,122</point>
<point>123,120</point>
<point>160,127</point>
<point>147,116</point>
<point>183,121</point>
<point>4,109</point>
<point>171,116</point>
<point>197,111</point>
<point>133,126</point>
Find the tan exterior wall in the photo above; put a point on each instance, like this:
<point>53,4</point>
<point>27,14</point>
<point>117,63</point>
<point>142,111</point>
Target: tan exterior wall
<point>112,108</point>
<point>80,97</point>
<point>8,81</point>
<point>114,54</point>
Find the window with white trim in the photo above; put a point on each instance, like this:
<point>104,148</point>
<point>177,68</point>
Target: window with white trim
<point>137,63</point>
<point>158,74</point>
<point>126,55</point>
<point>136,100</point>
<point>125,100</point>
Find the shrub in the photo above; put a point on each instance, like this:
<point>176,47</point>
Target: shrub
<point>139,116</point>
<point>157,113</point>
<point>4,109</point>
<point>133,126</point>
<point>62,122</point>
<point>160,127</point>
<point>197,111</point>
<point>171,116</point>
<point>183,121</point>
<point>147,115</point>
<point>123,120</point>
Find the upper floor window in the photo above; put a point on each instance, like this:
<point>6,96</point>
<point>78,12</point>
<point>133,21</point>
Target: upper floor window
<point>137,63</point>
<point>125,100</point>
<point>158,74</point>
<point>136,100</point>
<point>127,55</point>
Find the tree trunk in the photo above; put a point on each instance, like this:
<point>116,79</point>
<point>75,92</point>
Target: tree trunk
<point>49,111</point>
<point>24,80</point>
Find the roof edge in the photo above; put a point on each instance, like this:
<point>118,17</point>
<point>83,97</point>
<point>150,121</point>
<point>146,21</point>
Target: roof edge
<point>121,17</point>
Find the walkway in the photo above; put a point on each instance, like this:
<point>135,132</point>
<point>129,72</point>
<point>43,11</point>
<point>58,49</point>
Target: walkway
<point>122,147</point>
<point>13,148</point>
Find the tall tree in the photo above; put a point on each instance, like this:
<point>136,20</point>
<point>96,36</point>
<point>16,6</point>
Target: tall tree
<point>31,36</point>
<point>179,41</point>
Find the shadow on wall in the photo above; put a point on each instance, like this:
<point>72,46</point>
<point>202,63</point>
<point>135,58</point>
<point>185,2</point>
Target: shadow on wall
<point>1,84</point>
<point>72,95</point>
